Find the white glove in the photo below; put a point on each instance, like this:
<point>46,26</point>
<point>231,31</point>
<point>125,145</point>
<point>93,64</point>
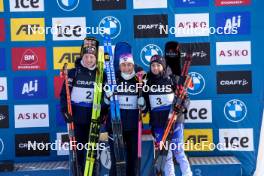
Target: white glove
<point>141,103</point>
<point>108,94</point>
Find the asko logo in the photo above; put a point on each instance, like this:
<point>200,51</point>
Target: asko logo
<point>32,144</point>
<point>2,30</point>
<point>233,53</point>
<point>3,88</point>
<point>148,26</point>
<point>200,52</point>
<point>238,139</point>
<point>191,3</point>
<point>199,111</point>
<point>191,25</point>
<point>234,21</point>
<point>63,55</point>
<point>4,116</point>
<point>26,5</point>
<point>234,82</point>
<point>198,139</point>
<point>29,58</point>
<point>30,87</point>
<point>232,2</point>
<point>73,28</point>
<point>109,4</point>
<point>30,116</point>
<point>141,4</point>
<point>2,58</point>
<point>27,29</point>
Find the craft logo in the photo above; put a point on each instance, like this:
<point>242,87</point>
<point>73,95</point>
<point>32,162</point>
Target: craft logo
<point>109,4</point>
<point>63,139</point>
<point>198,83</point>
<point>63,55</point>
<point>233,53</point>
<point>2,59</point>
<point>72,28</point>
<point>235,110</point>
<point>2,30</point>
<point>26,144</point>
<point>238,139</point>
<point>58,82</point>
<point>192,25</point>
<point>26,5</point>
<point>199,111</point>
<point>148,51</point>
<point>148,26</point>
<point>234,21</point>
<point>27,116</point>
<point>142,4</point>
<point>1,6</point>
<point>234,82</point>
<point>198,139</point>
<point>111,26</point>
<point>232,2</point>
<point>200,52</point>
<point>68,5</point>
<point>192,3</point>
<point>2,146</point>
<point>3,88</point>
<point>27,29</point>
<point>4,116</point>
<point>30,87</point>
<point>29,58</point>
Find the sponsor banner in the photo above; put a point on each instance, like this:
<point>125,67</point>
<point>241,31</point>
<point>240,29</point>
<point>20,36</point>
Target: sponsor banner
<point>142,4</point>
<point>71,28</point>
<point>235,110</point>
<point>109,5</point>
<point>4,116</point>
<point>232,2</point>
<point>1,6</point>
<point>233,53</point>
<point>63,55</point>
<point>32,144</point>
<point>234,22</point>
<point>27,29</point>
<point>192,3</point>
<point>111,25</point>
<point>63,141</point>
<point>58,82</point>
<point>3,88</point>
<point>148,51</point>
<point>29,58</point>
<point>148,26</point>
<point>200,52</point>
<point>68,5</point>
<point>27,116</point>
<point>26,5</point>
<point>30,87</point>
<point>237,139</point>
<point>192,25</point>
<point>2,59</point>
<point>2,30</point>
<point>198,83</point>
<point>234,82</point>
<point>199,111</point>
<point>198,139</point>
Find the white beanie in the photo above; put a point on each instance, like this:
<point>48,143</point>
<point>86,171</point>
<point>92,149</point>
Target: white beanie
<point>126,58</point>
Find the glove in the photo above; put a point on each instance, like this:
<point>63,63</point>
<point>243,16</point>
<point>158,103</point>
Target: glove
<point>108,94</point>
<point>141,103</point>
<point>182,106</point>
<point>67,117</point>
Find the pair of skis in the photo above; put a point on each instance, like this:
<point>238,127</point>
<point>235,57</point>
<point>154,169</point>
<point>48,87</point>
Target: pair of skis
<point>119,148</point>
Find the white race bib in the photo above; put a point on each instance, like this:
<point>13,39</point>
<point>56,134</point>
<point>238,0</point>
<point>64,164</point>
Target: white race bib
<point>127,101</point>
<point>80,94</point>
<point>161,100</point>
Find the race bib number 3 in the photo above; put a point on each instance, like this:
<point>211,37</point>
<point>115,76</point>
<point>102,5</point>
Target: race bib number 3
<point>161,100</point>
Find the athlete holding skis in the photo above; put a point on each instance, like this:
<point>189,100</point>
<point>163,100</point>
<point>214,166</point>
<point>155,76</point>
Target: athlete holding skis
<point>159,101</point>
<point>129,104</point>
<point>81,83</point>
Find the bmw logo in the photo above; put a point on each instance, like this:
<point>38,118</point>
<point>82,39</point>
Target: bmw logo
<point>1,146</point>
<point>68,5</point>
<point>148,51</point>
<point>198,83</point>
<point>111,26</point>
<point>235,110</point>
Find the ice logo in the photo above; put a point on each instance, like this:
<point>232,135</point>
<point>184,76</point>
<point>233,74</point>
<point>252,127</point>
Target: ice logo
<point>68,5</point>
<point>198,83</point>
<point>148,51</point>
<point>111,26</point>
<point>235,110</point>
